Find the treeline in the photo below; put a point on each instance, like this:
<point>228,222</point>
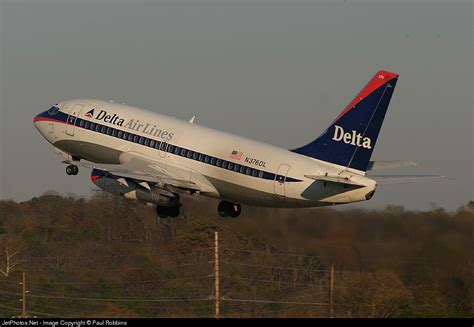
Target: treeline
<point>109,257</point>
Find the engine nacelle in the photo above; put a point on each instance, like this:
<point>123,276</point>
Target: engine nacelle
<point>149,196</point>
<point>129,189</point>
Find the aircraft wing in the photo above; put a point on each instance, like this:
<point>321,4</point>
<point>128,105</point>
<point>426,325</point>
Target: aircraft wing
<point>143,169</point>
<point>390,164</point>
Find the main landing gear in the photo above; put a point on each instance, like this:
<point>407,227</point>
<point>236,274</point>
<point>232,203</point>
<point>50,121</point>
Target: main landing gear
<point>72,170</point>
<point>165,212</point>
<point>228,209</point>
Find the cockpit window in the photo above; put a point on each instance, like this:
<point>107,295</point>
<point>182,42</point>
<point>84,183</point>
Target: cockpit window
<point>53,110</point>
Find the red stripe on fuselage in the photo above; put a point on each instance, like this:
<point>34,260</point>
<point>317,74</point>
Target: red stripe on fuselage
<point>37,119</point>
<point>382,77</point>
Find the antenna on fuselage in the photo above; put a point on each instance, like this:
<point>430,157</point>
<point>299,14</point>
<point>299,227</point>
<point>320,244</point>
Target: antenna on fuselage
<point>192,119</point>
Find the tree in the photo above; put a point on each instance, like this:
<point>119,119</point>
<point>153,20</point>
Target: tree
<point>372,295</point>
<point>12,257</point>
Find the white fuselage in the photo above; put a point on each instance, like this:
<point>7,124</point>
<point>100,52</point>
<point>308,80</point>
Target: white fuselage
<point>266,175</point>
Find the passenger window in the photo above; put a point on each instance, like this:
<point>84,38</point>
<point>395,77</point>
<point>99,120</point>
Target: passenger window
<point>103,129</point>
<point>242,169</point>
<point>189,154</point>
<point>201,157</point>
<point>97,127</point>
<point>206,159</point>
<point>170,148</point>
<point>130,137</point>
<point>195,155</point>
<point>236,167</point>
<point>141,140</point>
<point>224,164</point>
<point>230,166</point>
<point>183,152</point>
<point>213,161</point>
<point>109,131</point>
<point>260,174</point>
<point>88,124</point>
<point>176,150</point>
<point>218,162</point>
<point>157,144</point>
<point>152,143</point>
<point>147,142</point>
<point>120,133</point>
<point>114,132</point>
<point>81,123</point>
<point>163,146</point>
<point>135,138</point>
<point>254,172</point>
<point>125,135</point>
<point>248,171</point>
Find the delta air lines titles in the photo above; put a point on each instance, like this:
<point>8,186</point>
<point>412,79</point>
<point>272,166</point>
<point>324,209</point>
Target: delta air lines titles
<point>133,124</point>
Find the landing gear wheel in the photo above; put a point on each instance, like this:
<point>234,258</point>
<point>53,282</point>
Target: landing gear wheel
<point>165,212</point>
<point>72,170</point>
<point>173,212</point>
<point>228,209</point>
<point>161,212</point>
<point>235,211</point>
<point>223,208</point>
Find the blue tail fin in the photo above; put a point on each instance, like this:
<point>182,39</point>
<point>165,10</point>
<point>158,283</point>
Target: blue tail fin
<point>351,138</point>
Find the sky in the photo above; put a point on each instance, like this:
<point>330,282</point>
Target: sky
<point>274,71</point>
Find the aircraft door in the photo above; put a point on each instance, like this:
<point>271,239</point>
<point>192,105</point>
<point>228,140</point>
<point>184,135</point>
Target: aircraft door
<point>280,179</point>
<point>162,151</point>
<point>71,119</point>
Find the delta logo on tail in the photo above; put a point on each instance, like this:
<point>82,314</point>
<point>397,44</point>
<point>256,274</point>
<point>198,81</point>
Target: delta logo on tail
<point>353,138</point>
<point>90,114</point>
<point>350,139</point>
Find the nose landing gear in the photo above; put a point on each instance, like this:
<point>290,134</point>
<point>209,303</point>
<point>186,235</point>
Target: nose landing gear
<point>228,209</point>
<point>72,170</point>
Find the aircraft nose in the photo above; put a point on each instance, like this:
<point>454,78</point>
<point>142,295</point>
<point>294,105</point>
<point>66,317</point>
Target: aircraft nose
<point>36,121</point>
<point>44,122</point>
<point>46,115</point>
<point>42,116</point>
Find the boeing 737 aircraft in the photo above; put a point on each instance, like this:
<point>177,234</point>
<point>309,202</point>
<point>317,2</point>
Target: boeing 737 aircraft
<point>153,158</point>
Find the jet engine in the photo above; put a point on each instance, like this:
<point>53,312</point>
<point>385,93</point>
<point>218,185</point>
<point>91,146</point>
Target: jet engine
<point>133,189</point>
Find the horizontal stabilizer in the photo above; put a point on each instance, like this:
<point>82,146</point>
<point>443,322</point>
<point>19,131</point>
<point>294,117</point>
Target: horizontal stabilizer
<point>334,179</point>
<point>390,164</point>
<point>403,179</point>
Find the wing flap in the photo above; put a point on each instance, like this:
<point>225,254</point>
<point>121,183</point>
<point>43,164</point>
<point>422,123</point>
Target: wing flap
<point>144,170</point>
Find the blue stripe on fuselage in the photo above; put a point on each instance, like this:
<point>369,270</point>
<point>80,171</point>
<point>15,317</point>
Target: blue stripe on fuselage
<point>63,117</point>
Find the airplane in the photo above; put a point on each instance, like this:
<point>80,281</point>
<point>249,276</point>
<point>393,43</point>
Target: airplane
<point>154,158</point>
